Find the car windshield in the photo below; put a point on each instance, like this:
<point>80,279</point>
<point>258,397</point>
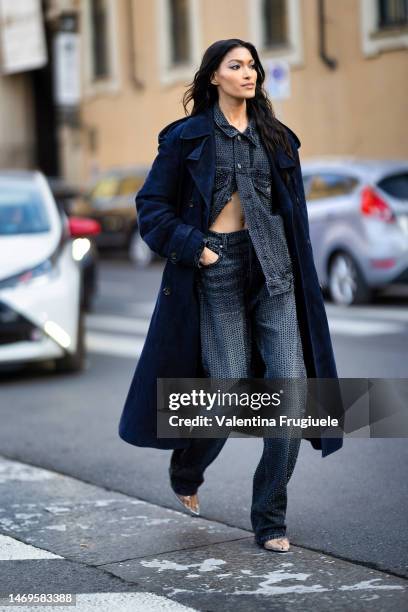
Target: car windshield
<point>22,210</point>
<point>396,185</point>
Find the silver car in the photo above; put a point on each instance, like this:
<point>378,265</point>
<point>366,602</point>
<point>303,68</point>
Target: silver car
<point>358,218</point>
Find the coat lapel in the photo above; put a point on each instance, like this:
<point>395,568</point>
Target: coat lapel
<point>201,158</point>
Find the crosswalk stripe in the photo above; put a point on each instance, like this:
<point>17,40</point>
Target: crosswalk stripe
<point>127,602</point>
<point>140,309</point>
<point>135,325</point>
<point>137,601</point>
<point>350,327</point>
<point>124,336</point>
<point>375,314</point>
<point>122,602</point>
<point>110,344</point>
<point>14,550</point>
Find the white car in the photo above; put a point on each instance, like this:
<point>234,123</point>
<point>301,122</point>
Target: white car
<point>40,276</point>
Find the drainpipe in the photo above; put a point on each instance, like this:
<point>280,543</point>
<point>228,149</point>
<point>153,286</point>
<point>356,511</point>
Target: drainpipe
<point>330,62</point>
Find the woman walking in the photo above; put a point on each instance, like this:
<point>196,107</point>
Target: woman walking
<point>228,231</point>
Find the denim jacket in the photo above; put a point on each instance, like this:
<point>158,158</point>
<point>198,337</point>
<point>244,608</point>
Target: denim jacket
<point>242,164</point>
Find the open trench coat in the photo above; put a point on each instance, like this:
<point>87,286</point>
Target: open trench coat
<point>173,208</point>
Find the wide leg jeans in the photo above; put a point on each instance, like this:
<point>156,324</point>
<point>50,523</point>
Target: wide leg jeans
<point>235,306</point>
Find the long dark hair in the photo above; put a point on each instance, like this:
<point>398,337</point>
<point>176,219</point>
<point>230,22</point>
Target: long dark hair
<point>204,94</point>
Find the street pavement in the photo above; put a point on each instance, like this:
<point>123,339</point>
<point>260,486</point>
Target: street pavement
<point>346,513</point>
<point>122,553</point>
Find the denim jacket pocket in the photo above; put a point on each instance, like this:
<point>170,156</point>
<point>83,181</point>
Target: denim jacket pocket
<point>223,176</point>
<point>262,181</point>
<point>264,187</point>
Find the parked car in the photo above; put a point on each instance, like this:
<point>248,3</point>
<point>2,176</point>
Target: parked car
<point>65,196</point>
<point>358,217</point>
<point>41,318</point>
<point>111,201</point>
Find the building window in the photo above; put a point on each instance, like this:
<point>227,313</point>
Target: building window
<point>179,39</point>
<point>392,13</point>
<point>180,31</point>
<point>99,39</point>
<point>384,25</point>
<point>275,23</point>
<point>275,28</point>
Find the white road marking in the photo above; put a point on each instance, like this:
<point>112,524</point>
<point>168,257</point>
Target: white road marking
<point>110,344</point>
<point>124,336</point>
<point>350,327</point>
<point>114,323</point>
<point>140,309</point>
<point>13,550</point>
<point>120,602</point>
<point>376,313</point>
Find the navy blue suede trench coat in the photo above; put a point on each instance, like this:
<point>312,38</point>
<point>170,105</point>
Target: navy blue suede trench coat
<point>173,209</point>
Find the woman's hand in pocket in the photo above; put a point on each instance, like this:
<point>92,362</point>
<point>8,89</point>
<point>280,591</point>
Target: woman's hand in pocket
<point>208,257</point>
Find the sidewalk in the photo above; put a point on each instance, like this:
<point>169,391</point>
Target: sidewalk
<point>61,535</point>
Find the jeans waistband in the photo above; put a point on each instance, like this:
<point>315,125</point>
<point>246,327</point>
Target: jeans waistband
<point>229,238</point>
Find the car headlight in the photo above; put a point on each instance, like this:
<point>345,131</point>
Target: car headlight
<point>80,247</point>
<point>47,268</point>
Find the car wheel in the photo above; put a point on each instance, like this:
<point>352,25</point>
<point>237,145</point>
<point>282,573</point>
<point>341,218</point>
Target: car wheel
<point>74,362</point>
<point>139,252</point>
<point>347,285</point>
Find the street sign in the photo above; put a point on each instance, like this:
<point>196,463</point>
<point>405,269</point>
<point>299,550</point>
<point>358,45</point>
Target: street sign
<point>277,79</point>
<point>66,69</point>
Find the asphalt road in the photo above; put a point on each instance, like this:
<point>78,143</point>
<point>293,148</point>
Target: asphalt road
<point>351,504</point>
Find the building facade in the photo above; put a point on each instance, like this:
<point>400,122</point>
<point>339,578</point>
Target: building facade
<point>348,66</point>
<point>348,70</point>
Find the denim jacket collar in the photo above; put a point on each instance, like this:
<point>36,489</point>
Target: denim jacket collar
<point>201,124</point>
<point>232,131</point>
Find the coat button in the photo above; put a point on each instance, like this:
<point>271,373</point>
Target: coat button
<point>166,290</point>
<point>191,204</point>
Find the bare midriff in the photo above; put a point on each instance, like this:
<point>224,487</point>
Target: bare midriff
<point>232,217</point>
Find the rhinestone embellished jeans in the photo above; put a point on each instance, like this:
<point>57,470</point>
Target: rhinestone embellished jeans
<point>234,304</point>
